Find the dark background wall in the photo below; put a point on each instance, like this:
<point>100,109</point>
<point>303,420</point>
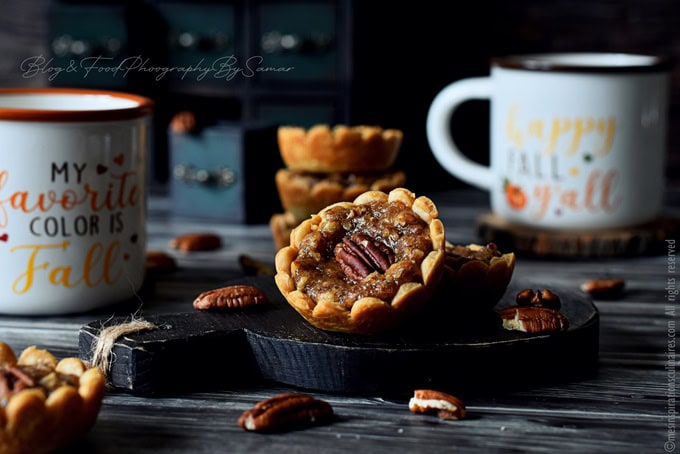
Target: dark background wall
<point>404,53</point>
<point>404,57</point>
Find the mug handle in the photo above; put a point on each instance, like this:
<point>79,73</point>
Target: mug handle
<point>439,134</point>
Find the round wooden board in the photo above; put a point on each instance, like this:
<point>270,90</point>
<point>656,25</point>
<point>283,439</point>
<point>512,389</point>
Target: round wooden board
<point>273,342</point>
<point>645,239</point>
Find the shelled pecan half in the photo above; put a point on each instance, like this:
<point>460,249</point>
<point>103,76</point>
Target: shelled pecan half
<point>286,411</point>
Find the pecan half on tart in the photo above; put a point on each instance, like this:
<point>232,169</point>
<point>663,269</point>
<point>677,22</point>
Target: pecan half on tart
<point>364,266</point>
<point>45,404</point>
<point>475,276</point>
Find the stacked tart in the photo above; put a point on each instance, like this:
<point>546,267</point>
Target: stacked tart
<point>327,165</point>
<point>45,404</point>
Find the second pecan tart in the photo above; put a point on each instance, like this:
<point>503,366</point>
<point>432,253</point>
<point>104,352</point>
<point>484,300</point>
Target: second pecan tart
<point>475,276</point>
<point>45,404</point>
<point>364,266</point>
<point>304,193</point>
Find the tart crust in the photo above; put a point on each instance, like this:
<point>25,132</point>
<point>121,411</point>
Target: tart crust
<point>60,405</point>
<point>341,149</point>
<point>303,194</point>
<point>314,282</point>
<point>475,276</point>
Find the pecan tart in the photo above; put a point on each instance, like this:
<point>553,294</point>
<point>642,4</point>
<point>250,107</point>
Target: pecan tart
<point>45,404</point>
<point>303,194</point>
<point>475,276</point>
<point>340,149</point>
<point>364,266</point>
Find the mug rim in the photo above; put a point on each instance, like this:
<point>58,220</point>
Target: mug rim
<point>555,62</point>
<point>144,106</point>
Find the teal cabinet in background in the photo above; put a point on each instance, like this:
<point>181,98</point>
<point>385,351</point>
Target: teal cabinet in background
<point>267,62</point>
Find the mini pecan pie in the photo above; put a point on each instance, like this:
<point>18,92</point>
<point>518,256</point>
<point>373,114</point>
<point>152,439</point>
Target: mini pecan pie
<point>475,276</point>
<point>45,404</point>
<point>340,149</point>
<point>304,193</point>
<point>364,266</point>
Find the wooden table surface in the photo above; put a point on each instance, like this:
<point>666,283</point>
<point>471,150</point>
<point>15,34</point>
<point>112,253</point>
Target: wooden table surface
<point>628,405</point>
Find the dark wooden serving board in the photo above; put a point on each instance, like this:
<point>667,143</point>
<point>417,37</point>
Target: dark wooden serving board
<point>200,349</point>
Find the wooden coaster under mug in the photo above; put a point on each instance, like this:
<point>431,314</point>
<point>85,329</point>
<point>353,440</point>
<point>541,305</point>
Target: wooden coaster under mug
<point>646,239</point>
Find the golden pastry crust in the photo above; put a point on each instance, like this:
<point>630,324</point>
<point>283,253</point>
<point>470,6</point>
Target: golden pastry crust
<point>341,149</point>
<point>45,404</point>
<point>475,276</point>
<point>304,194</point>
<point>364,266</point>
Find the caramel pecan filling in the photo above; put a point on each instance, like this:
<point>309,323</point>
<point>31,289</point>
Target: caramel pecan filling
<point>362,250</point>
<point>458,255</point>
<point>19,377</point>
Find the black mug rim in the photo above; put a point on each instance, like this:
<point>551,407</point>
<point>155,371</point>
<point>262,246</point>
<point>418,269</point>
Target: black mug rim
<point>554,62</point>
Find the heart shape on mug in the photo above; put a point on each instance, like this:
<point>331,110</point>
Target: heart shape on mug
<point>134,238</point>
<point>119,159</point>
<point>4,237</point>
<point>101,169</point>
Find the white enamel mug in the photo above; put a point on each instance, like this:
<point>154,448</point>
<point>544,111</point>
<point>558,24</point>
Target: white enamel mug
<point>72,198</point>
<point>578,140</point>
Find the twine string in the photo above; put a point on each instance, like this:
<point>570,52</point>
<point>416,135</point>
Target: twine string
<point>103,344</point>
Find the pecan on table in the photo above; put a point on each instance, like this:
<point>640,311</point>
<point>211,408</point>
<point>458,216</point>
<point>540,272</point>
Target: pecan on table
<point>286,411</point>
<point>444,405</point>
<point>610,288</point>
<point>191,242</point>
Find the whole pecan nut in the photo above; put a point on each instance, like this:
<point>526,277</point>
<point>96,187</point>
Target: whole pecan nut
<point>286,411</point>
<point>196,242</point>
<point>183,122</point>
<point>359,255</point>
<point>533,319</point>
<point>231,297</point>
<point>610,288</point>
<point>541,298</point>
<point>432,401</point>
<point>160,261</point>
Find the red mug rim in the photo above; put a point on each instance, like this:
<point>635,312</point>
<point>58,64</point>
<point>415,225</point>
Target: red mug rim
<point>609,62</point>
<point>143,106</point>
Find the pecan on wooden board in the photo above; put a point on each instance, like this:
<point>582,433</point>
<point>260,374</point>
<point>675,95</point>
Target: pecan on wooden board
<point>230,297</point>
<point>540,298</point>
<point>533,319</point>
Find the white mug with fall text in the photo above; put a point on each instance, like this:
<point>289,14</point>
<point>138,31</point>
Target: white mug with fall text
<point>578,140</point>
<point>72,198</point>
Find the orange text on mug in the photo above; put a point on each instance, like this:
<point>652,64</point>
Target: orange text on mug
<point>555,158</point>
<point>72,198</point>
<point>105,190</point>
